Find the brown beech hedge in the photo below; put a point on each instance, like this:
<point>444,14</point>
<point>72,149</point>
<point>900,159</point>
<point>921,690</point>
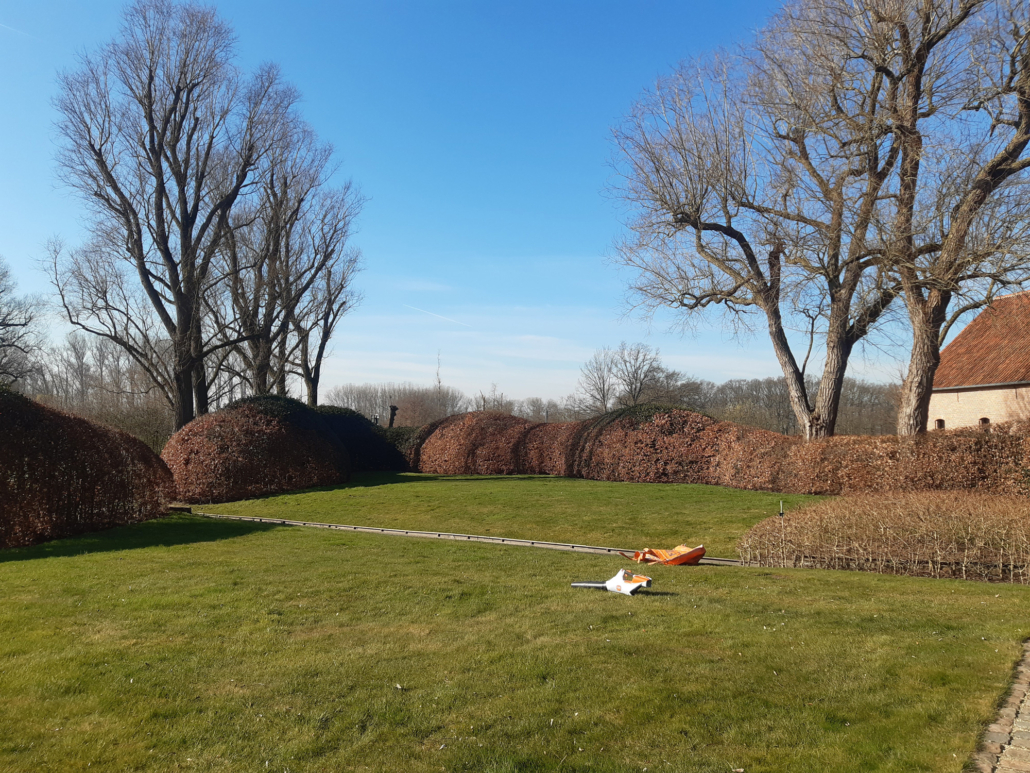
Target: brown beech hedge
<point>62,475</point>
<point>370,446</point>
<point>669,445</point>
<point>255,447</point>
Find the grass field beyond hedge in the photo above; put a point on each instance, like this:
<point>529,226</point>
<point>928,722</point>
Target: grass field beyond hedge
<point>202,645</point>
<point>622,515</point>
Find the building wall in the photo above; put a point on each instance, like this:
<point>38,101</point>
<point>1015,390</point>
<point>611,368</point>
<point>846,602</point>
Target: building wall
<point>966,408</point>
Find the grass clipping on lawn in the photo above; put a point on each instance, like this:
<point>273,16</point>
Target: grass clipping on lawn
<point>957,534</point>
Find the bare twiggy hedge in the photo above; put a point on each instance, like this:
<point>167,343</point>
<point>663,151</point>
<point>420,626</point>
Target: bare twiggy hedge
<point>62,475</point>
<point>958,534</point>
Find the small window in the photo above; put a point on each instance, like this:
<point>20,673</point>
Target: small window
<point>939,424</point>
<point>984,421</point>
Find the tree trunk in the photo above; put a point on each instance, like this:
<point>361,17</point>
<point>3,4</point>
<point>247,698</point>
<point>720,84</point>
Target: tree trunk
<point>807,419</point>
<point>183,397</point>
<point>839,344</point>
<point>201,389</point>
<point>279,373</point>
<point>310,377</point>
<point>261,357</point>
<point>927,316</point>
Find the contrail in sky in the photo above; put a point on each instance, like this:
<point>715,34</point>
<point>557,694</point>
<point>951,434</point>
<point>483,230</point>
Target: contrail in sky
<point>19,32</point>
<point>431,314</point>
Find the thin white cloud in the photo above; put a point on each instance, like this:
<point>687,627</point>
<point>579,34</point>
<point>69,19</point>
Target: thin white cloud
<point>431,314</point>
<point>19,32</point>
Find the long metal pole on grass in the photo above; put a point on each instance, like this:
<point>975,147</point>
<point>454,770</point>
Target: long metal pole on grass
<point>567,546</point>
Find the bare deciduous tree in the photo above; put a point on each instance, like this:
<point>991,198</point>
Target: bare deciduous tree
<point>858,150</point>
<point>597,380</point>
<point>786,147</point>
<point>630,375</point>
<point>495,401</point>
<point>18,334</point>
<point>957,102</point>
<point>670,387</point>
<point>258,255</point>
<point>753,182</point>
<point>637,368</point>
<point>326,300</point>
<point>287,267</point>
<point>161,136</point>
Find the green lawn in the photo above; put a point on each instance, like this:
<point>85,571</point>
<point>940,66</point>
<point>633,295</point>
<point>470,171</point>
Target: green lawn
<point>204,645</point>
<point>622,515</point>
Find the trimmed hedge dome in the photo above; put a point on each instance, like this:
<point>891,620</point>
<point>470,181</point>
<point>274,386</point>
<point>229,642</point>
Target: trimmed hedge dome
<point>368,444</point>
<point>255,447</point>
<point>63,475</point>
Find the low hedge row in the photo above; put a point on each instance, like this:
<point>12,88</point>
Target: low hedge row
<point>961,534</point>
<point>669,445</point>
<point>62,475</point>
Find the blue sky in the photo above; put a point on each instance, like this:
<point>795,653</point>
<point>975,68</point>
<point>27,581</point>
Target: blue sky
<point>478,131</point>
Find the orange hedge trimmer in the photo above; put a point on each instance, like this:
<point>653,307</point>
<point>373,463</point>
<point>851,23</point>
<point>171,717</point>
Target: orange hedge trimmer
<point>678,556</point>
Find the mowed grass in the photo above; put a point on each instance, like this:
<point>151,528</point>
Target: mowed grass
<point>204,645</point>
<point>622,515</point>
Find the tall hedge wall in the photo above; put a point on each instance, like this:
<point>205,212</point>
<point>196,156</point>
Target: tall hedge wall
<point>62,475</point>
<point>482,443</point>
<point>255,447</point>
<point>669,445</point>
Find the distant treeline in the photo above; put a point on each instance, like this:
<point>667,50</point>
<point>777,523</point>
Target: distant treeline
<point>866,408</point>
<point>93,378</point>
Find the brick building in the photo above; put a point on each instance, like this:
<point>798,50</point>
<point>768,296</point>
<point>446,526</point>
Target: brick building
<point>984,375</point>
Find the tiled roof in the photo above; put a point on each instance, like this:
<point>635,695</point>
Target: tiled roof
<point>992,349</point>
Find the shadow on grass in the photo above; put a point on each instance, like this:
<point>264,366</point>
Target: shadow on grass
<point>372,479</point>
<point>365,479</point>
<point>162,532</point>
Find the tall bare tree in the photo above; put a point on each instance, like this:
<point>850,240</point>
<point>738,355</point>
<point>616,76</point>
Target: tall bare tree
<point>18,333</point>
<point>161,135</point>
<point>329,297</point>
<point>957,103</point>
<point>753,182</point>
<point>637,368</point>
<point>287,264</point>
<point>597,380</point>
<point>871,148</point>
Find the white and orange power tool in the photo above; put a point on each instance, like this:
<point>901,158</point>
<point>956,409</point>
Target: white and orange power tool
<point>623,582</point>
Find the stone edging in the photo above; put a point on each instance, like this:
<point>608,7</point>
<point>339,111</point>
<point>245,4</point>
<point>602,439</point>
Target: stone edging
<point>1005,747</point>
